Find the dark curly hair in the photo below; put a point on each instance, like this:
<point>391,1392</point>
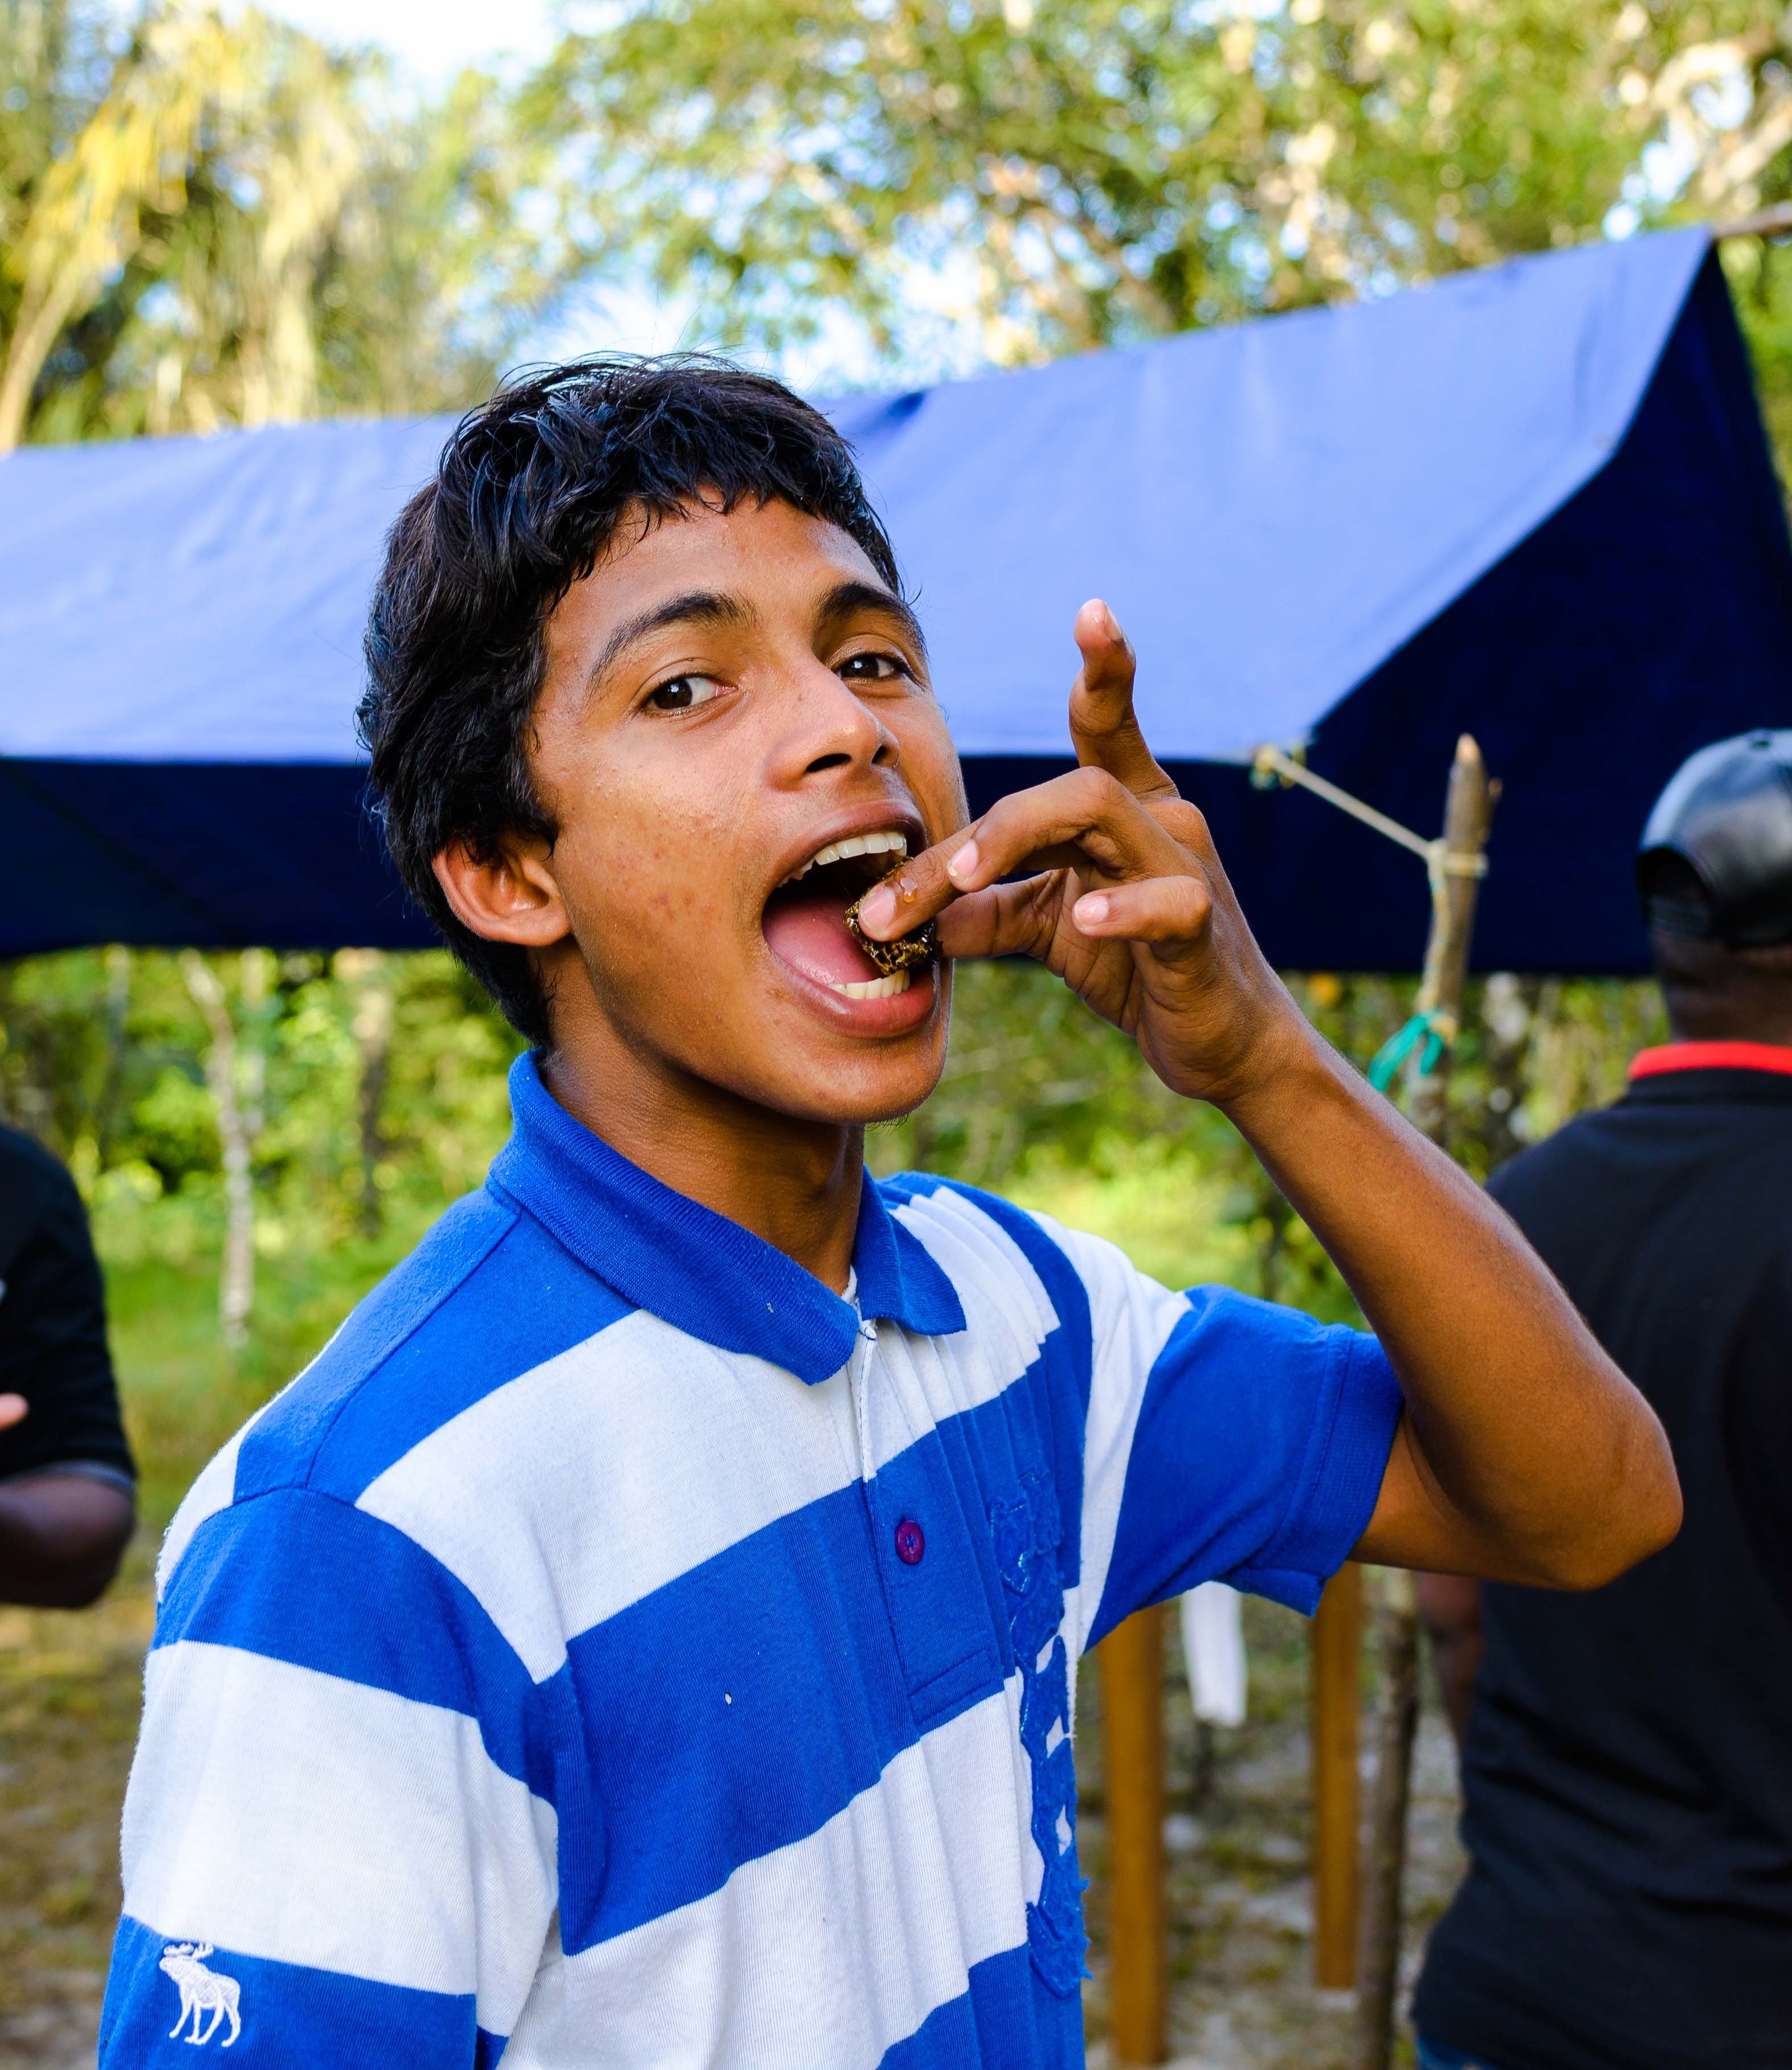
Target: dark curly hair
<point>528,493</point>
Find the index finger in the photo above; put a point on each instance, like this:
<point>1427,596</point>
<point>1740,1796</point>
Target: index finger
<point>1085,818</point>
<point>1103,725</point>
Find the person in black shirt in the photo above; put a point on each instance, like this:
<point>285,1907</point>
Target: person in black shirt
<point>1627,1757</point>
<point>66,1484</point>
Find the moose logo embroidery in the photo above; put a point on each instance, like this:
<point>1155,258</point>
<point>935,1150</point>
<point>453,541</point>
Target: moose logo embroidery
<point>201,1990</point>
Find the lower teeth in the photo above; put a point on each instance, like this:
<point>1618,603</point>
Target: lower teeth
<point>876,987</point>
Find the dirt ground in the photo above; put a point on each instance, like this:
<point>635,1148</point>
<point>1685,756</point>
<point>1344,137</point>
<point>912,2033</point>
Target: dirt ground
<point>1242,1954</point>
<point>70,1688</point>
<point>1242,1898</point>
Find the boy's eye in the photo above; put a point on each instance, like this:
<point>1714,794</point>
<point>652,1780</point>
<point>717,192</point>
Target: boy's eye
<point>872,669</point>
<point>683,693</point>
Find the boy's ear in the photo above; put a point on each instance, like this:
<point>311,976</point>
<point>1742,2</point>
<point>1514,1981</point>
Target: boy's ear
<point>511,897</point>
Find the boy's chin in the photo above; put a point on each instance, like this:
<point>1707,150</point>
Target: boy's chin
<point>817,1074</point>
<point>858,1092</point>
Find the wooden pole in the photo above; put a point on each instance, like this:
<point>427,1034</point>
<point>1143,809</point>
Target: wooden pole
<point>1383,1868</point>
<point>1337,1668</point>
<point>1132,1728</point>
<point>1468,812</point>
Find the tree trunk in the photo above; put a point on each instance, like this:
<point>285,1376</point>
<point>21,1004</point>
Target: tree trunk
<point>118,1007</point>
<point>373,1038</point>
<point>236,1284</point>
<point>1385,1862</point>
<point>38,329</point>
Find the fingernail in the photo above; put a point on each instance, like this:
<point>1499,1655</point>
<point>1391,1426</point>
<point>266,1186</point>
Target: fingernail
<point>877,908</point>
<point>1092,911</point>
<point>964,863</point>
<point>1112,623</point>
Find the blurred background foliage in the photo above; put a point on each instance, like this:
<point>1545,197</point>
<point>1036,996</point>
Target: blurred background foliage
<point>209,217</point>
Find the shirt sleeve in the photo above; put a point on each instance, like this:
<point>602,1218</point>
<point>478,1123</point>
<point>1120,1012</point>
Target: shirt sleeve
<point>339,1840</point>
<point>1228,1439</point>
<point>53,1337</point>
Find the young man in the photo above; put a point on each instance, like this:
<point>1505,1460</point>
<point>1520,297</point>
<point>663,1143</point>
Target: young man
<point>1627,1798</point>
<point>647,1635</point>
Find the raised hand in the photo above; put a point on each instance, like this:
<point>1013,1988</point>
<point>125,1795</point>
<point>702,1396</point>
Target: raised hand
<point>1525,1454</point>
<point>1128,902</point>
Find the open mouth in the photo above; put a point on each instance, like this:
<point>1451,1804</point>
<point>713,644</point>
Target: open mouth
<point>811,920</point>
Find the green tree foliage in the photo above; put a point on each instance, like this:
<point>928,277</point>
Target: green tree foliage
<point>104,1059</point>
<point>211,219</point>
<point>1048,174</point>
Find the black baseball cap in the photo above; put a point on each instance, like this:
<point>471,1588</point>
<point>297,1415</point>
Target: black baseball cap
<point>1716,855</point>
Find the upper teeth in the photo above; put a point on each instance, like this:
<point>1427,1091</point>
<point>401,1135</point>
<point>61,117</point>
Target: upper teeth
<point>888,842</point>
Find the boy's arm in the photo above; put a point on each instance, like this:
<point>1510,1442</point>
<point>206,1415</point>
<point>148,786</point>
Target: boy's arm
<point>1525,1453</point>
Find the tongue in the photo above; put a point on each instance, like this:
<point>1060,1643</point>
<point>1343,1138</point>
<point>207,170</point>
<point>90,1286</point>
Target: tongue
<point>808,930</point>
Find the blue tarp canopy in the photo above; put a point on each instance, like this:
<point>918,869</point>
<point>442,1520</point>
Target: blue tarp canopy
<point>1533,503</point>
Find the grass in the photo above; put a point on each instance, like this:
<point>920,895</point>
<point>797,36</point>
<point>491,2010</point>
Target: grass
<point>70,1688</point>
<point>1239,1856</point>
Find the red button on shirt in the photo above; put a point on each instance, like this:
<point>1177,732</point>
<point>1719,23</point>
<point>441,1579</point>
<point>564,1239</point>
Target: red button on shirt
<point>910,1543</point>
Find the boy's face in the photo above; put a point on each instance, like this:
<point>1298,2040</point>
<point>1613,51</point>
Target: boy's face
<point>727,699</point>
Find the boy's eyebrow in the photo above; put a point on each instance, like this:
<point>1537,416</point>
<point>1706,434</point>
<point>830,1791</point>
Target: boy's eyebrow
<point>845,599</point>
<point>696,607</point>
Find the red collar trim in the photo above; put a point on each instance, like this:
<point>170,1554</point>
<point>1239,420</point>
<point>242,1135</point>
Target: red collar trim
<point>1713,1057</point>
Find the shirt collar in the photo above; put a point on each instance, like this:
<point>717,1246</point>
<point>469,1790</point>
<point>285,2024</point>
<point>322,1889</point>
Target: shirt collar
<point>1712,1056</point>
<point>694,1268</point>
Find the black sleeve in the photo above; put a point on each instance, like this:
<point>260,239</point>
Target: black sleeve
<point>53,1322</point>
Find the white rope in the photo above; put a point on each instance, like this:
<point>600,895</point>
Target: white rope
<point>1439,862</point>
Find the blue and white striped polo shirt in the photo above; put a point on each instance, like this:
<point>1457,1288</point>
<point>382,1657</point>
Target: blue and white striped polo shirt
<point>613,1652</point>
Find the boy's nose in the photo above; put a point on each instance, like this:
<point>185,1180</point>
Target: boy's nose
<point>831,728</point>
